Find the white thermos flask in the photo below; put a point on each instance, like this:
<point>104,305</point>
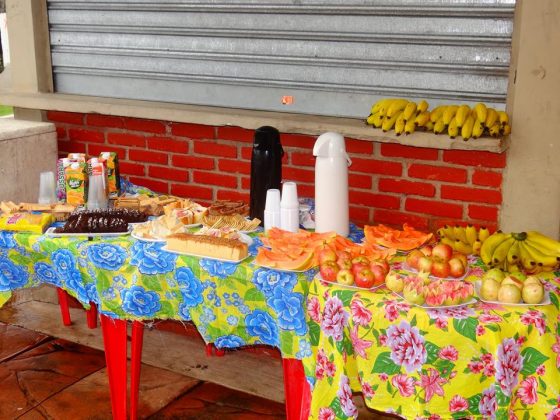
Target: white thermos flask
<point>331,184</point>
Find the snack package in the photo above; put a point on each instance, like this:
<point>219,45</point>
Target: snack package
<point>26,222</point>
<point>61,165</point>
<point>113,176</point>
<point>76,183</point>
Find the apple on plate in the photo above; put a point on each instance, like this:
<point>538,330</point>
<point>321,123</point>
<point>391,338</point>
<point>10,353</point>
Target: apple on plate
<point>345,277</point>
<point>426,250</point>
<point>413,257</point>
<point>379,274</point>
<point>440,268</point>
<point>462,257</point>
<point>365,279</point>
<point>381,263</point>
<point>456,267</point>
<point>359,266</point>
<point>329,270</point>
<point>424,264</point>
<point>327,254</point>
<point>344,263</point>
<point>442,251</point>
<point>360,259</point>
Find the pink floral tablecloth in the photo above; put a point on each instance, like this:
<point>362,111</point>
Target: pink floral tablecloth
<point>479,361</point>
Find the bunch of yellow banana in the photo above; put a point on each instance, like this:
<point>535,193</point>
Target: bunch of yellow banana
<point>531,252</point>
<point>464,239</point>
<point>405,116</point>
<point>461,120</point>
<point>402,115</point>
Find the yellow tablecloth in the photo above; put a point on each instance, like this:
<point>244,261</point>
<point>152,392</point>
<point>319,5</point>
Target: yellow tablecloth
<point>479,361</point>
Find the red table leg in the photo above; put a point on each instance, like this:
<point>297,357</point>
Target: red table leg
<point>63,303</point>
<point>136,364</point>
<point>114,338</point>
<point>91,316</point>
<point>296,389</point>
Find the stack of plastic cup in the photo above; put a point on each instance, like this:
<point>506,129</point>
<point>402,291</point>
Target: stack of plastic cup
<point>272,209</point>
<point>47,188</point>
<point>97,195</point>
<point>289,207</point>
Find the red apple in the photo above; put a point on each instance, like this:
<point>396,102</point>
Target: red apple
<point>379,274</point>
<point>381,263</point>
<point>440,268</point>
<point>456,267</point>
<point>462,257</point>
<point>413,257</point>
<point>345,277</point>
<point>426,250</point>
<point>365,279</point>
<point>424,264</point>
<point>442,251</point>
<point>327,254</point>
<point>360,259</point>
<point>359,266</point>
<point>344,263</point>
<point>329,270</point>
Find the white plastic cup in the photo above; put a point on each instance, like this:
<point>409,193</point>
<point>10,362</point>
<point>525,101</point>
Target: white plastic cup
<point>289,195</point>
<point>47,188</point>
<point>97,197</point>
<point>289,207</point>
<point>272,209</point>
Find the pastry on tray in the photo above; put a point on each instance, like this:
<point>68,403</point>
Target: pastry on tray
<point>101,221</point>
<point>153,206</point>
<point>207,246</point>
<point>232,221</point>
<point>228,207</point>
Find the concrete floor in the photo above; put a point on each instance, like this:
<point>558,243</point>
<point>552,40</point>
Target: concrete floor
<point>49,371</point>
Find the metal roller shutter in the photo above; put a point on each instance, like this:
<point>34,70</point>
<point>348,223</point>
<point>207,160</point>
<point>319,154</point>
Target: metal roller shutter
<point>333,57</point>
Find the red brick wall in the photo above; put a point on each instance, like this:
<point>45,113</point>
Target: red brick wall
<point>389,183</point>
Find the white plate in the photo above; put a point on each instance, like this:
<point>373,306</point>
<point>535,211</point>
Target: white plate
<point>319,277</point>
<point>141,238</point>
<point>51,233</point>
<point>406,267</point>
<point>205,257</point>
<point>545,301</point>
<point>424,306</point>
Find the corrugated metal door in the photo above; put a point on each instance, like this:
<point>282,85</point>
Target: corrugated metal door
<point>331,57</point>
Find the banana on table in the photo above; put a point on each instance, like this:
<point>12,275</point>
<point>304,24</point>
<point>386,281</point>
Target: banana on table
<point>530,251</point>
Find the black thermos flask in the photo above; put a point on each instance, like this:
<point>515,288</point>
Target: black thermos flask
<point>266,168</point>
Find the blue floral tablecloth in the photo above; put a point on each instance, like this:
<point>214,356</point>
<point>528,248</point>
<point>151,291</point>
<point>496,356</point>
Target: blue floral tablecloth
<point>231,305</point>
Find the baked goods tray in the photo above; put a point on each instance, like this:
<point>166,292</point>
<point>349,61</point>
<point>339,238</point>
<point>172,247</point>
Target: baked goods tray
<point>51,233</point>
<point>164,248</point>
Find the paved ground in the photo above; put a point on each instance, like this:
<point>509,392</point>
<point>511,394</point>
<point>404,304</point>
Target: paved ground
<point>44,377</point>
